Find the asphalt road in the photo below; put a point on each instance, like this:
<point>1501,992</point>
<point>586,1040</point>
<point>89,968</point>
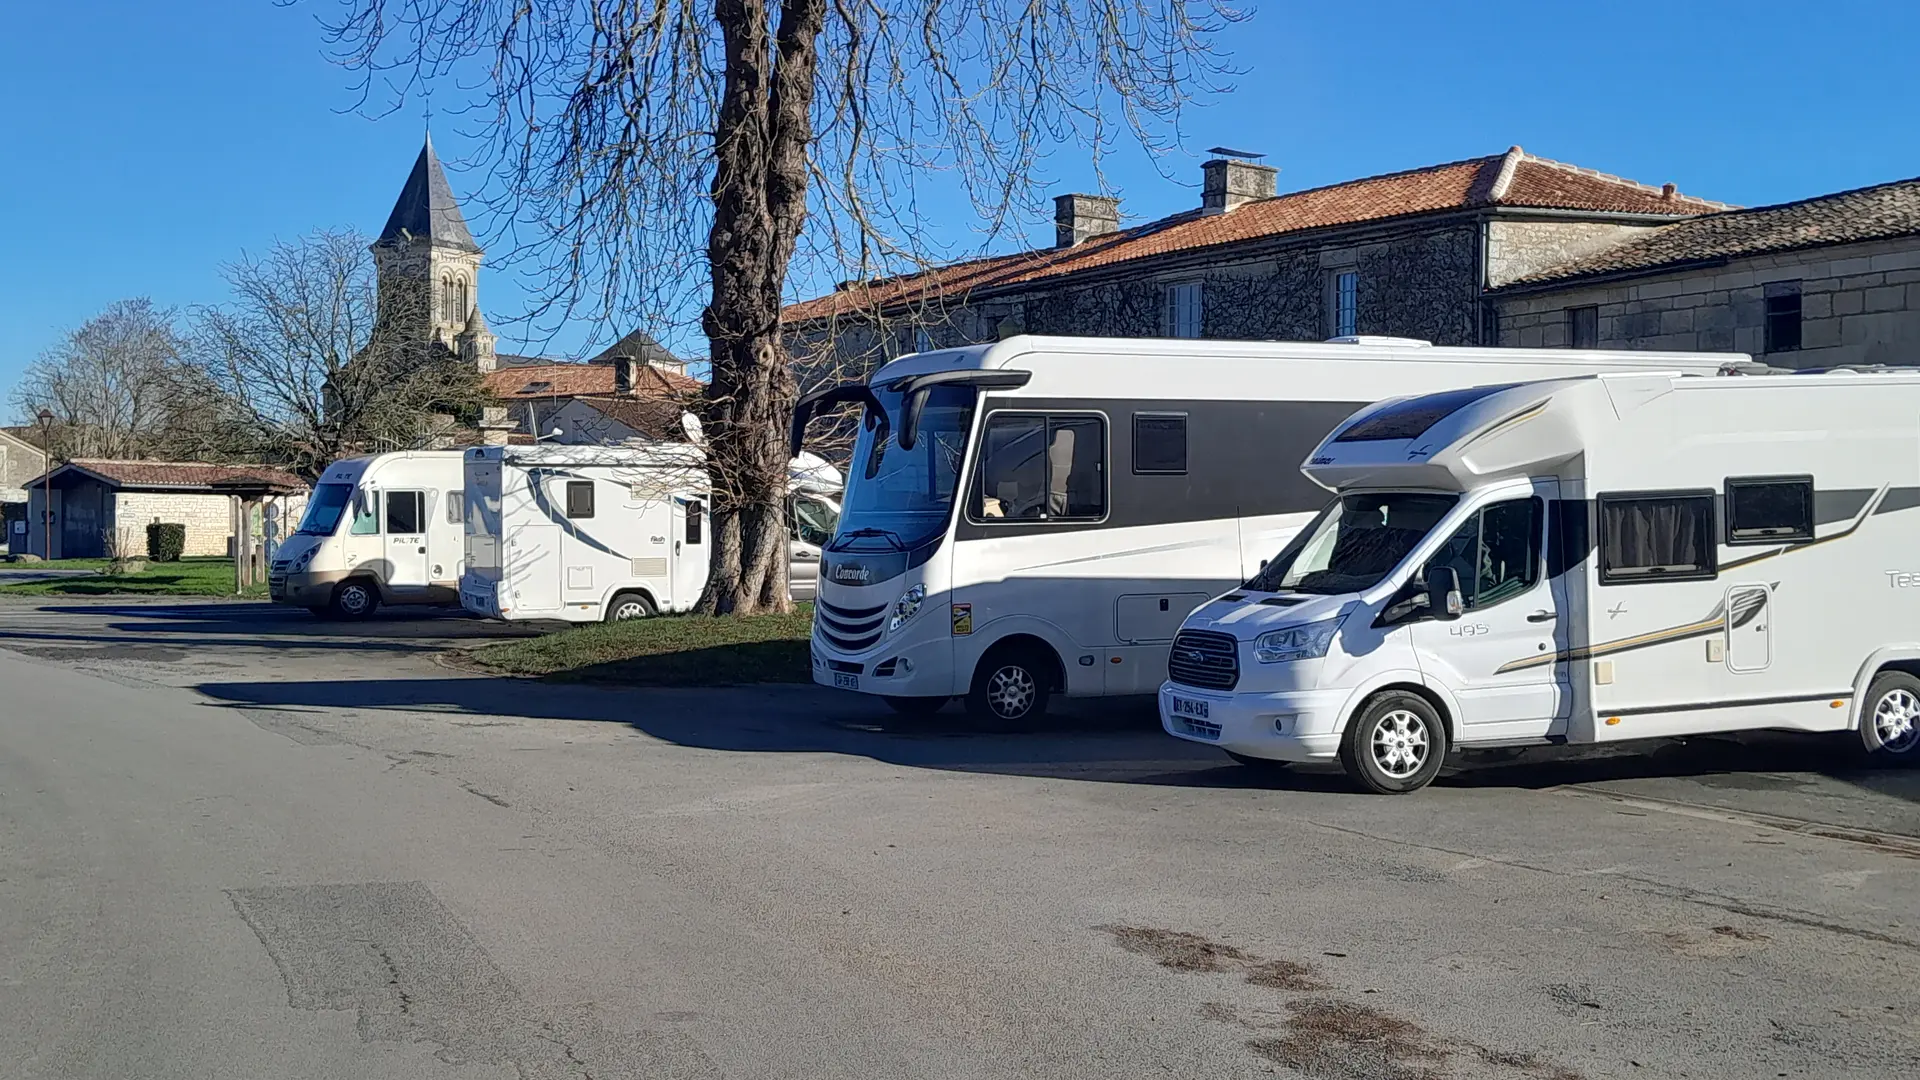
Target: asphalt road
<point>235,842</point>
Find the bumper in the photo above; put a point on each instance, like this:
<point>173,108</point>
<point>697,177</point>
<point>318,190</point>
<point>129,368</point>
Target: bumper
<point>904,668</point>
<point>1296,725</point>
<point>311,589</point>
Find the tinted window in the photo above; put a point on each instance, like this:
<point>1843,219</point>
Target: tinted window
<point>1411,418</point>
<point>326,508</point>
<point>1497,553</point>
<point>579,498</point>
<point>1769,510</point>
<point>1159,442</point>
<point>696,522</point>
<point>1656,537</point>
<point>1041,468</point>
<point>406,513</point>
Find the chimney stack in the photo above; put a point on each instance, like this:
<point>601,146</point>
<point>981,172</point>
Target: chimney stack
<point>1234,178</point>
<point>1081,217</point>
<point>623,380</point>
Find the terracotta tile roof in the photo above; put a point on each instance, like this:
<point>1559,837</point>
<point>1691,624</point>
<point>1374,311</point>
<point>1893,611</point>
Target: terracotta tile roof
<point>1872,213</point>
<point>577,380</point>
<point>182,474</point>
<point>1513,179</point>
<point>653,417</point>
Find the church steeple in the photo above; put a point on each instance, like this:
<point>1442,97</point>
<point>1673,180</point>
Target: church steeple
<point>426,208</point>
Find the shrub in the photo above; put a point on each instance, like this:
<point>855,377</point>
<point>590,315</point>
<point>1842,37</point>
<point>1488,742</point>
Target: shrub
<point>165,541</point>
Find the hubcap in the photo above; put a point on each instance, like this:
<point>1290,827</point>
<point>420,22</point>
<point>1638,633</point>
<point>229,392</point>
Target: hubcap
<point>1400,744</point>
<point>1896,720</point>
<point>1010,692</point>
<point>353,599</point>
<point>629,609</point>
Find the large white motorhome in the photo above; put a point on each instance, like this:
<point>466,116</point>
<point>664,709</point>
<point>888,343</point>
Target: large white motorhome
<point>1578,561</point>
<point>378,530</point>
<point>584,533</point>
<point>1039,514</point>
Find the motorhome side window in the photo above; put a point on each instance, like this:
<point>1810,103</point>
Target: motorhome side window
<point>1769,509</point>
<point>406,513</point>
<point>579,498</point>
<point>696,522</point>
<point>366,513</point>
<point>1656,537</point>
<point>456,506</point>
<point>1496,553</point>
<point>1038,467</point>
<point>1160,443</point>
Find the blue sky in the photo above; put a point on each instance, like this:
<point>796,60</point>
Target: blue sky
<point>147,143</point>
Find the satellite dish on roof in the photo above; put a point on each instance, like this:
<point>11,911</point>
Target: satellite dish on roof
<point>690,424</point>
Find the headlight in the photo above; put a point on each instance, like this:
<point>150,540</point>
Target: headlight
<point>1307,642</point>
<point>904,607</point>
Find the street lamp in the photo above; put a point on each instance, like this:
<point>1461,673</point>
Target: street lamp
<point>46,485</point>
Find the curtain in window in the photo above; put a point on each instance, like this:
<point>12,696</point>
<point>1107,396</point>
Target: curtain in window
<point>1649,535</point>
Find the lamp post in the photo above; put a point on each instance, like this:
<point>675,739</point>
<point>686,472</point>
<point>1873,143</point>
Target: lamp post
<point>46,485</point>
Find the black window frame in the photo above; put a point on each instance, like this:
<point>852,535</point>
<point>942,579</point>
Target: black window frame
<point>696,523</point>
<point>573,510</point>
<point>1606,577</point>
<point>976,484</point>
<point>420,512</point>
<point>1782,319</point>
<point>1185,443</point>
<point>1735,483</point>
<point>1574,317</point>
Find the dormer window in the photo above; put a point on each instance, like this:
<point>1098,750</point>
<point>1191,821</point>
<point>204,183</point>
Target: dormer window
<point>539,387</point>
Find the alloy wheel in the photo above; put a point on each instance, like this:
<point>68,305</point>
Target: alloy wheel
<point>1400,744</point>
<point>1896,720</point>
<point>1011,691</point>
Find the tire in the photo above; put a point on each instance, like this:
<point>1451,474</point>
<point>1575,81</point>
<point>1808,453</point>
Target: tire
<point>354,599</point>
<point>630,605</point>
<point>1890,723</point>
<point>1395,744</point>
<point>1258,764</point>
<point>916,706</point>
<point>1010,688</point>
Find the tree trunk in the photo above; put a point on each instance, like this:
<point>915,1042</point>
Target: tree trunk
<point>759,204</point>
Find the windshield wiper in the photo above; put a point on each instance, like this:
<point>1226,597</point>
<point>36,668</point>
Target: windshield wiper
<point>889,535</point>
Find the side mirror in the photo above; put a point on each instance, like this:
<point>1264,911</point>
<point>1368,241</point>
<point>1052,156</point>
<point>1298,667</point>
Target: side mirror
<point>1443,593</point>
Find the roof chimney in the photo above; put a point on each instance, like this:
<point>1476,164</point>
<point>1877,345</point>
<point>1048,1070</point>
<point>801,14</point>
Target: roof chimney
<point>1233,178</point>
<point>1667,191</point>
<point>1081,217</point>
<point>623,381</point>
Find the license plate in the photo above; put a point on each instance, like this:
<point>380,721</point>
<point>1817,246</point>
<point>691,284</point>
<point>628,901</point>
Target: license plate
<point>1187,707</point>
<point>844,681</point>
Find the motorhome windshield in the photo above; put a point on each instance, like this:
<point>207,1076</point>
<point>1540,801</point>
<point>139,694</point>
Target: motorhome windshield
<point>899,499</point>
<point>325,508</point>
<point>1356,541</point>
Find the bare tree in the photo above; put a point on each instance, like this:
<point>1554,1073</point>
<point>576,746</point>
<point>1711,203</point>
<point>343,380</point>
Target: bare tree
<point>620,131</point>
<point>115,386</point>
<point>302,353</point>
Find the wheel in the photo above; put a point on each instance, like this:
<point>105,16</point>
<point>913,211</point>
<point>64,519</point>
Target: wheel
<point>354,600</point>
<point>1395,744</point>
<point>630,605</point>
<point>1890,724</point>
<point>916,706</point>
<point>1010,688</point>
<point>1258,764</point>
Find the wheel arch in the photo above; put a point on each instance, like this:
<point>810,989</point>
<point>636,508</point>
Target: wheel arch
<point>1026,642</point>
<point>614,594</point>
<point>1411,682</point>
<point>1903,658</point>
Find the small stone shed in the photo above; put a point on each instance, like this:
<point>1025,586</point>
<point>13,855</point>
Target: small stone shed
<point>99,504</point>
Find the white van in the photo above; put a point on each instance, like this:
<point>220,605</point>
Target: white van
<point>584,533</point>
<point>1037,515</point>
<point>378,530</point>
<point>1580,561</point>
<point>813,497</point>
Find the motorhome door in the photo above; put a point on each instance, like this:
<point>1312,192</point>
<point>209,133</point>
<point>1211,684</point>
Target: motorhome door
<point>690,550</point>
<point>1499,657</point>
<point>406,540</point>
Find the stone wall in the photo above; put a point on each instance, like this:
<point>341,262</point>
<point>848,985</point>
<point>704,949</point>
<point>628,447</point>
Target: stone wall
<point>208,519</point>
<point>20,462</point>
<point>1517,248</point>
<point>1860,304</point>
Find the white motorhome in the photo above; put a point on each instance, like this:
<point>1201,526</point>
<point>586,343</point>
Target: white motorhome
<point>384,529</point>
<point>1578,561</point>
<point>1037,515</point>
<point>584,533</point>
<point>813,496</point>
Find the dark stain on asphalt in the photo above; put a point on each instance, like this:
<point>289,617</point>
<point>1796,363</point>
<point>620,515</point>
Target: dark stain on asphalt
<point>1177,950</point>
<point>1339,1040</point>
<point>1743,935</point>
<point>494,799</point>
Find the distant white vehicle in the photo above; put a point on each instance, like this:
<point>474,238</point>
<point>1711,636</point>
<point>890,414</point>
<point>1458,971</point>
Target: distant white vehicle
<point>1580,561</point>
<point>814,487</point>
<point>384,529</point>
<point>585,533</point>
<point>1037,515</point>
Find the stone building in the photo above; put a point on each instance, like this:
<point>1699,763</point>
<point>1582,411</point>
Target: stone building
<point>99,506</point>
<point>1410,254</point>
<point>1820,282</point>
<point>21,460</point>
<point>634,390</point>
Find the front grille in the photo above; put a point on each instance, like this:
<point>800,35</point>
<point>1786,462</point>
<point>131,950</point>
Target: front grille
<point>1205,659</point>
<point>1199,729</point>
<point>848,629</point>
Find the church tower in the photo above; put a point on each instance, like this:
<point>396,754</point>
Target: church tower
<point>429,268</point>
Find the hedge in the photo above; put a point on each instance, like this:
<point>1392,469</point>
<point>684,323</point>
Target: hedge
<point>165,541</point>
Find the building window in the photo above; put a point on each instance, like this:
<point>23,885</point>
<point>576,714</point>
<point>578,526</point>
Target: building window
<point>1783,316</point>
<point>1656,537</point>
<point>1183,309</point>
<point>1160,443</point>
<point>1583,327</point>
<point>1770,509</point>
<point>458,311</point>
<point>579,498</point>
<point>1343,304</point>
<point>1036,467</point>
